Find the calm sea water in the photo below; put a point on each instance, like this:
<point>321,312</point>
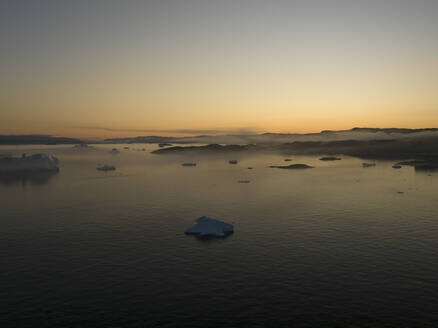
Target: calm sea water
<point>332,246</point>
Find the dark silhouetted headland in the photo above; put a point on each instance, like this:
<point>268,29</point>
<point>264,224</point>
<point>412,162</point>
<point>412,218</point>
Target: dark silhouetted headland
<point>276,138</point>
<point>37,140</point>
<point>424,148</point>
<point>292,166</point>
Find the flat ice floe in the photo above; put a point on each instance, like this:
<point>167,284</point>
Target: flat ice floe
<point>210,227</point>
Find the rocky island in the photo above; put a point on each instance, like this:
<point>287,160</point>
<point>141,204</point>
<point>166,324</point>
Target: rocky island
<point>330,158</point>
<point>292,166</point>
<point>422,149</point>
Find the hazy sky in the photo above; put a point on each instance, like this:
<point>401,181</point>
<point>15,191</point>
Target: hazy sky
<point>106,68</point>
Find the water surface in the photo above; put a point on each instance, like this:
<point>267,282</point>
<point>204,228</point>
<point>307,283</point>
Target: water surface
<point>332,246</point>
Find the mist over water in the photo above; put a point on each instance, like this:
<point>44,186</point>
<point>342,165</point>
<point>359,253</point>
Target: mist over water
<point>242,138</point>
<point>335,245</point>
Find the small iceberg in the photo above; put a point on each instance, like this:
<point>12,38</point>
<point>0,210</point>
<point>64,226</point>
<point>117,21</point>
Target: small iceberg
<point>233,161</point>
<point>37,162</point>
<point>368,164</point>
<point>106,168</point>
<point>206,227</point>
<point>188,164</point>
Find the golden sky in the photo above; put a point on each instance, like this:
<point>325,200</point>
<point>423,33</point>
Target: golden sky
<point>114,68</point>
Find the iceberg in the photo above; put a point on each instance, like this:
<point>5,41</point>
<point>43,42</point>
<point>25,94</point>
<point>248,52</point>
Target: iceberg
<point>206,226</point>
<point>37,162</point>
<point>106,168</point>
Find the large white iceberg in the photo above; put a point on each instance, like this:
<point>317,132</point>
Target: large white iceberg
<point>210,227</point>
<point>37,162</point>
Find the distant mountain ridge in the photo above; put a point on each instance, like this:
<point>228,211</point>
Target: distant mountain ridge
<point>355,133</point>
<point>269,137</point>
<point>385,130</point>
<point>36,139</point>
<point>143,139</point>
<point>420,148</point>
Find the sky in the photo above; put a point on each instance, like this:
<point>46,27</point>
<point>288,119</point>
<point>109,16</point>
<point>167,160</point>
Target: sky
<point>107,68</point>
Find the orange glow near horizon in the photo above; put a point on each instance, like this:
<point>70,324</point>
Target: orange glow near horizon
<point>217,68</point>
